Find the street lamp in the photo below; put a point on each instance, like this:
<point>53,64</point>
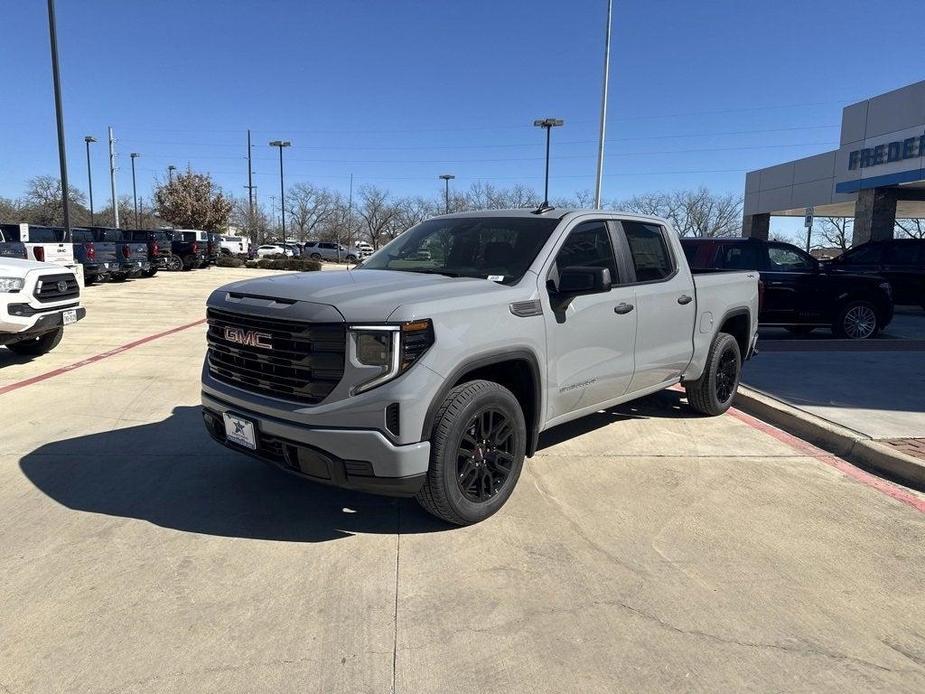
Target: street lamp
<point>170,170</point>
<point>282,193</point>
<point>88,139</point>
<point>134,156</point>
<point>446,191</point>
<point>59,117</point>
<point>548,124</point>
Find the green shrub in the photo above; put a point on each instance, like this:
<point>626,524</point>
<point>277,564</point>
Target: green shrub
<point>291,264</point>
<point>229,261</point>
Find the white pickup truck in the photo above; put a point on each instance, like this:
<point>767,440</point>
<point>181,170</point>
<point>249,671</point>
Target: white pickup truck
<point>432,368</point>
<point>37,300</point>
<point>43,244</point>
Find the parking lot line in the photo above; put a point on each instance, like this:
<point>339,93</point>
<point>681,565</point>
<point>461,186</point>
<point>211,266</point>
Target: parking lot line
<point>832,460</point>
<point>97,357</point>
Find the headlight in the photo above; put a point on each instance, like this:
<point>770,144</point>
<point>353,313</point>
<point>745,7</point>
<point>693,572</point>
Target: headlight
<point>10,284</point>
<point>389,349</point>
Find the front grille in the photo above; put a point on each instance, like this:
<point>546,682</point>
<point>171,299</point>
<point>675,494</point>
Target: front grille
<point>305,363</point>
<point>56,288</point>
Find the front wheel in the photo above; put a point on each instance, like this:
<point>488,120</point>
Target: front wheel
<point>173,263</point>
<point>857,320</point>
<point>478,445</point>
<point>149,273</point>
<point>713,393</point>
<point>316,256</point>
<point>38,345</point>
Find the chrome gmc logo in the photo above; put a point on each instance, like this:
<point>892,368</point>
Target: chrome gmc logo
<point>249,338</point>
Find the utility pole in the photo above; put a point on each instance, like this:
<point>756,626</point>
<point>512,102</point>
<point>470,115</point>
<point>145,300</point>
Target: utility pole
<point>88,139</point>
<point>598,181</point>
<point>112,178</point>
<point>134,156</point>
<point>446,191</point>
<point>59,116</point>
<point>350,217</point>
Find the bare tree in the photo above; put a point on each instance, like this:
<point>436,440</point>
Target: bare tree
<point>378,215</point>
<point>42,203</point>
<point>913,228</point>
<point>11,210</point>
<point>698,213</point>
<point>485,196</point>
<point>836,231</point>
<point>309,207</point>
<point>414,210</point>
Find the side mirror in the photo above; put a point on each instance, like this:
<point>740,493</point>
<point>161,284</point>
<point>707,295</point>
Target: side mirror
<point>578,280</point>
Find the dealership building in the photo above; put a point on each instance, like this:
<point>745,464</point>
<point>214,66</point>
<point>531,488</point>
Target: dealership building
<point>875,176</point>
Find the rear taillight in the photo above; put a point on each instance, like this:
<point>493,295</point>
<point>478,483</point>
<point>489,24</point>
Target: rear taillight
<point>195,247</point>
<point>126,252</point>
<point>156,249</point>
<point>40,254</point>
<point>91,252</point>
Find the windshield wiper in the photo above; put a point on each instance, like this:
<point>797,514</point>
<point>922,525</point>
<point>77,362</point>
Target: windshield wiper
<point>446,273</point>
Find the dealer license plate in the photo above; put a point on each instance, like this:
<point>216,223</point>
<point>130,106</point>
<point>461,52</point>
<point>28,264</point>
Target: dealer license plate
<point>69,317</point>
<point>240,431</point>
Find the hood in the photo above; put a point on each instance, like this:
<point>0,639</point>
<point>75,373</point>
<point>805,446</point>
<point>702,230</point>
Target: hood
<point>364,295</point>
<point>16,267</point>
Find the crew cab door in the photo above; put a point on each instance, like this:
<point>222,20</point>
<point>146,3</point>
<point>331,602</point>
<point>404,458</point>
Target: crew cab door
<point>665,305</point>
<point>904,268</point>
<point>794,290</point>
<point>591,342</point>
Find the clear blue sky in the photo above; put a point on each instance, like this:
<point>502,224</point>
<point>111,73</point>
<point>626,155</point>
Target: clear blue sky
<point>398,92</point>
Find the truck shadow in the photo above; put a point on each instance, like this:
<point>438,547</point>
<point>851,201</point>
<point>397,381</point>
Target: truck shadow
<point>172,474</point>
<point>665,404</point>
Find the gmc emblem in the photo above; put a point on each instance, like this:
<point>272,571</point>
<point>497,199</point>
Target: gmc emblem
<point>249,338</point>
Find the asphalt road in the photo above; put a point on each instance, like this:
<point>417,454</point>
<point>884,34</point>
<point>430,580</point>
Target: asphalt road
<point>645,548</point>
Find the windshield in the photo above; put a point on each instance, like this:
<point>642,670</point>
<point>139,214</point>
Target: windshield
<point>496,248</point>
<point>45,235</point>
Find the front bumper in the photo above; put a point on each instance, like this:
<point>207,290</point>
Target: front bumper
<point>34,325</point>
<point>360,459</point>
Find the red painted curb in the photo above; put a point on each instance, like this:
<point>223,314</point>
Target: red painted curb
<point>96,358</point>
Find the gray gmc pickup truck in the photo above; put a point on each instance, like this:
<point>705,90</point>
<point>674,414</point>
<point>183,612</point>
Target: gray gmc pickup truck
<point>431,369</point>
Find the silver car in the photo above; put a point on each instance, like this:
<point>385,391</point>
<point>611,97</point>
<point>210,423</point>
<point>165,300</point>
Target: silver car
<point>328,250</point>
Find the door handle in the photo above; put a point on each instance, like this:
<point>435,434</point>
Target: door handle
<point>622,308</point>
<point>684,299</point>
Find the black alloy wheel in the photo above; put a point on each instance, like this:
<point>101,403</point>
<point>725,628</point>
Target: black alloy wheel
<point>727,374</point>
<point>485,457</point>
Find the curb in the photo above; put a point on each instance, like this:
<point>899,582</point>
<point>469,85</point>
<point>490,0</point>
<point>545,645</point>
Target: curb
<point>841,441</point>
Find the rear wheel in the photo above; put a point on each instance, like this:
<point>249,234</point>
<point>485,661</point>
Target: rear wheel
<point>477,452</point>
<point>351,258</point>
<point>149,273</point>
<point>38,345</point>
<point>857,320</point>
<point>316,256</point>
<point>173,263</point>
<point>714,391</point>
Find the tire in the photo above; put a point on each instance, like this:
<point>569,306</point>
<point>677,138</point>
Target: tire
<point>188,262</point>
<point>173,263</point>
<point>800,329</point>
<point>856,320</point>
<point>118,277</point>
<point>38,345</point>
<point>470,413</point>
<point>351,258</point>
<point>149,273</point>
<point>90,279</point>
<point>316,256</point>
<point>712,394</point>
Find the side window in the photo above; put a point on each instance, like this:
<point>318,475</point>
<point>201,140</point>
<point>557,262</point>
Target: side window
<point>588,245</point>
<point>865,255</point>
<point>783,259</point>
<point>326,244</point>
<point>905,253</point>
<point>740,256</point>
<point>649,250</point>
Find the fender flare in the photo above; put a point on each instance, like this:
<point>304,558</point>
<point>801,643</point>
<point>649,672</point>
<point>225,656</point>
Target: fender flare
<point>487,359</point>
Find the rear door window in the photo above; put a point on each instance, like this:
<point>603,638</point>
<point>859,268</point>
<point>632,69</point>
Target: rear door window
<point>651,258</point>
<point>905,253</point>
<point>740,256</point>
<point>784,259</point>
<point>870,254</point>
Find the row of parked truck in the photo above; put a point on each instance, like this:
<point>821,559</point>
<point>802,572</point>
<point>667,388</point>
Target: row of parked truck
<point>111,254</point>
<point>40,267</point>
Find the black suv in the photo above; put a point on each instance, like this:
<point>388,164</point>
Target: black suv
<point>900,261</point>
<point>800,293</point>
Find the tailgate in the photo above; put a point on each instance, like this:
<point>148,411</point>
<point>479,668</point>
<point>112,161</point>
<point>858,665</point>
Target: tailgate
<point>138,251</point>
<point>57,253</point>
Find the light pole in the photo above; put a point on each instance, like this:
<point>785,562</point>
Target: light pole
<point>598,181</point>
<point>282,192</point>
<point>170,170</point>
<point>134,156</point>
<point>88,139</point>
<point>59,116</point>
<point>548,124</point>
<point>446,191</point>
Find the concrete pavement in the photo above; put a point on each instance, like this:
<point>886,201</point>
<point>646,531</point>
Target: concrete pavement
<point>645,549</point>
